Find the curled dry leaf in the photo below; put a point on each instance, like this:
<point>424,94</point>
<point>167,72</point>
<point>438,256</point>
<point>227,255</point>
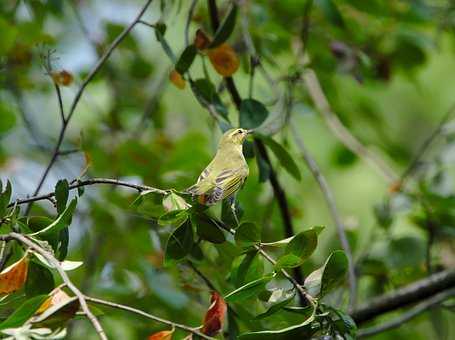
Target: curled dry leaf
<point>163,335</point>
<point>177,79</point>
<point>62,77</point>
<point>201,40</point>
<point>214,318</point>
<point>224,60</point>
<point>13,277</point>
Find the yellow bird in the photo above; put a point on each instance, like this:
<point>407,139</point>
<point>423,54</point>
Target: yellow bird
<point>226,172</point>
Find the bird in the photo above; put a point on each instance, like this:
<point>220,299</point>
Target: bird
<point>226,173</point>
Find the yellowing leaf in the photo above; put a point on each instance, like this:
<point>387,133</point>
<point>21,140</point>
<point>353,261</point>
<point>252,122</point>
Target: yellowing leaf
<point>62,77</point>
<point>13,277</point>
<point>163,335</point>
<point>56,297</point>
<point>224,60</point>
<point>177,79</point>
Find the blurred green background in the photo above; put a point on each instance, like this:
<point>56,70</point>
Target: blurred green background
<point>386,67</point>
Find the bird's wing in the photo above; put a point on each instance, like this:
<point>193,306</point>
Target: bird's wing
<point>226,183</point>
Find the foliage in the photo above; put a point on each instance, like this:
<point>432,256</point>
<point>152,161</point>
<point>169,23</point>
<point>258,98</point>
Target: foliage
<point>84,101</point>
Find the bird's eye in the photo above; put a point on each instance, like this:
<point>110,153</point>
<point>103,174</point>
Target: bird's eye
<point>239,131</point>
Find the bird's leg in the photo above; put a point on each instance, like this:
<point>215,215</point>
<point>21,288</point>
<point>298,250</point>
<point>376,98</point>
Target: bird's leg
<point>233,208</point>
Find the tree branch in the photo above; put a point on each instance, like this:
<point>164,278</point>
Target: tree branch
<point>147,315</point>
<point>330,200</point>
<point>92,181</point>
<point>340,131</point>
<point>79,93</point>
<point>54,262</point>
<point>405,317</point>
<point>405,296</point>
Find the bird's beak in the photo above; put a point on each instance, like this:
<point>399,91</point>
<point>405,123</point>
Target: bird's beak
<point>249,132</point>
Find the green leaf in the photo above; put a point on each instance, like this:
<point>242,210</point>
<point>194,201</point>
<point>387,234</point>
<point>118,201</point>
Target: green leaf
<point>283,156</point>
<point>303,244</point>
<point>250,289</point>
<point>61,195</point>
<point>62,221</point>
<point>346,324</point>
<point>24,312</point>
<point>226,28</point>
<point>206,94</point>
<point>281,332</point>
<point>174,217</point>
<point>186,59</point>
<point>275,308</point>
<point>280,243</point>
<point>174,202</point>
<point>332,273</point>
<point>5,197</point>
<point>149,203</point>
<point>63,240</point>
<point>246,268</point>
<point>247,234</point>
<point>288,261</point>
<point>207,229</point>
<point>252,113</point>
<point>180,242</point>
<point>39,280</point>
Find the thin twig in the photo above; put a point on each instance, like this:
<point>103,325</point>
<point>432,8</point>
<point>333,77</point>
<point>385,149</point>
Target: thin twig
<point>79,93</point>
<point>92,181</point>
<point>202,276</point>
<point>188,21</point>
<point>340,131</point>
<point>426,144</point>
<point>330,200</point>
<point>147,315</point>
<point>302,292</point>
<point>405,317</point>
<point>55,263</point>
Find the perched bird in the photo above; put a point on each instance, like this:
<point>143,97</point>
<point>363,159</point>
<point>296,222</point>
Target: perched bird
<point>226,172</point>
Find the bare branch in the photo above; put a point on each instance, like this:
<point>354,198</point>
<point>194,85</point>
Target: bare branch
<point>405,296</point>
<point>54,262</point>
<point>92,181</point>
<point>79,93</point>
<point>330,200</point>
<point>147,315</point>
<point>405,317</point>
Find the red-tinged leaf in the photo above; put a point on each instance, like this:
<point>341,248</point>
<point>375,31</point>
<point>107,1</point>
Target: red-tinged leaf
<point>214,318</point>
<point>177,79</point>
<point>201,40</point>
<point>163,335</point>
<point>14,277</point>
<point>224,60</point>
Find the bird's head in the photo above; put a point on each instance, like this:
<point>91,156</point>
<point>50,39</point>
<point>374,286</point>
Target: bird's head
<point>235,136</point>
